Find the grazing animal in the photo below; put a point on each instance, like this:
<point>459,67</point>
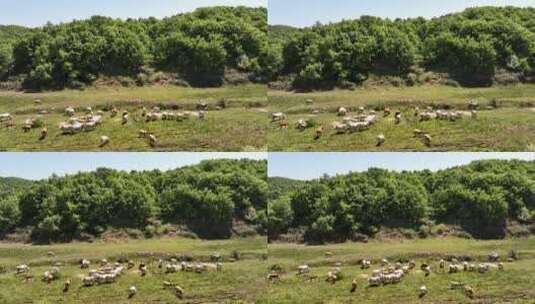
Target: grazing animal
<point>283,125</point>
<point>27,126</point>
<point>493,257</point>
<point>387,112</point>
<point>427,140</point>
<point>301,269</point>
<point>84,264</point>
<point>44,133</point>
<point>132,291</point>
<point>397,118</point>
<point>143,269</point>
<point>340,128</point>
<point>153,141</point>
<point>380,140</point>
<point>125,118</point>
<point>273,276</point>
<point>423,292</point>
<point>143,133</point>
<point>202,106</point>
<point>301,124</point>
<point>277,116</point>
<point>353,286</point>
<point>70,111</point>
<point>66,285</point>
<point>22,269</point>
<point>342,111</point>
<point>179,292</point>
<point>332,277</point>
<point>319,132</point>
<point>426,269</point>
<point>104,140</point>
<point>469,291</point>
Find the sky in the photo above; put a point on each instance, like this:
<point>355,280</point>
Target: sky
<point>41,165</point>
<point>307,166</point>
<point>303,13</point>
<point>35,13</point>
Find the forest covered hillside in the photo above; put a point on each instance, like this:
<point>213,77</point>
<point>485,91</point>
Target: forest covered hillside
<point>206,47</point>
<point>485,199</point>
<point>477,47</point>
<point>210,200</point>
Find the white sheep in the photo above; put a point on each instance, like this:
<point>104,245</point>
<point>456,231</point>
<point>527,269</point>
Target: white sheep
<point>104,140</point>
<point>341,111</point>
<point>339,128</point>
<point>85,264</point>
<point>132,291</point>
<point>397,118</point>
<point>427,140</point>
<point>301,269</point>
<point>374,281</point>
<point>70,111</point>
<point>380,140</point>
<point>153,141</point>
<point>23,268</point>
<point>5,117</point>
<point>365,264</point>
<point>277,116</point>
<point>423,291</point>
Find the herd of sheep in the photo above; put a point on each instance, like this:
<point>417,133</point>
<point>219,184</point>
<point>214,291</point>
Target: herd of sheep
<point>109,273</point>
<point>90,120</point>
<point>391,273</point>
<point>366,119</point>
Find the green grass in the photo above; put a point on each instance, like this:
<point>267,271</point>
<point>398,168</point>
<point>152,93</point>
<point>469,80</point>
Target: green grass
<point>513,285</point>
<point>240,127</point>
<point>241,281</point>
<point>509,127</point>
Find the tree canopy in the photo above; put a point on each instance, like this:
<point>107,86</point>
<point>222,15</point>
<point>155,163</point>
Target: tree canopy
<point>470,46</point>
<point>208,198</point>
<point>199,47</point>
<point>481,198</point>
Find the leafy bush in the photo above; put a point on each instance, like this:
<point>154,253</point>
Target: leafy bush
<point>480,198</point>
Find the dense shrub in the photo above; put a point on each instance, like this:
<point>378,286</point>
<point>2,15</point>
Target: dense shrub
<point>481,198</point>
<point>470,46</point>
<point>207,198</point>
<point>199,46</point>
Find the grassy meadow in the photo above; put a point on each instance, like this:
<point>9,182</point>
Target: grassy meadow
<point>239,127</point>
<point>241,281</point>
<point>514,284</point>
<point>505,121</point>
